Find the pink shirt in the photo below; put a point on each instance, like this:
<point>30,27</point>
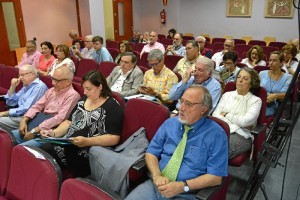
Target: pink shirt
<point>59,104</point>
<point>45,64</point>
<point>156,45</point>
<point>32,59</point>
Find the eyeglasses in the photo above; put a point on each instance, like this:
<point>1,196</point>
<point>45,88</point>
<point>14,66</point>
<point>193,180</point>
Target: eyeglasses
<point>57,80</point>
<point>154,64</point>
<point>87,41</point>
<point>30,47</point>
<point>227,45</point>
<point>188,103</point>
<point>21,75</point>
<point>124,62</point>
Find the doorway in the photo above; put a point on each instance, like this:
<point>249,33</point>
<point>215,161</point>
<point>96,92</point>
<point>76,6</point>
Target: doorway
<point>123,22</point>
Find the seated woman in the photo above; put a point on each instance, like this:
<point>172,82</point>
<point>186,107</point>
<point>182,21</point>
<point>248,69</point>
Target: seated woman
<point>275,81</point>
<point>126,78</point>
<point>289,63</point>
<point>63,57</point>
<point>171,33</point>
<point>96,120</point>
<point>240,110</point>
<point>31,56</point>
<point>46,59</point>
<point>255,57</point>
<point>124,46</point>
<point>77,44</point>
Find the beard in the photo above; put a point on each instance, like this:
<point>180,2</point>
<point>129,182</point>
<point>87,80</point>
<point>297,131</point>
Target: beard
<point>182,120</point>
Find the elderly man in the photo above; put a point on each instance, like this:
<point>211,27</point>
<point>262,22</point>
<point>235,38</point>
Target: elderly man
<point>203,51</point>
<point>101,53</point>
<point>33,89</point>
<point>153,44</point>
<point>192,54</point>
<point>187,153</point>
<point>228,46</point>
<point>31,56</point>
<point>158,81</point>
<point>47,113</point>
<point>177,48</point>
<point>88,50</point>
<point>126,78</point>
<point>202,75</point>
<point>136,37</point>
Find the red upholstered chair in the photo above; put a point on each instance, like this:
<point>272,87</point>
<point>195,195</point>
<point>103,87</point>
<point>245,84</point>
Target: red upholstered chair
<point>32,178</point>
<point>143,60</point>
<point>78,88</point>
<point>106,68</point>
<point>218,46</point>
<point>117,96</point>
<point>279,45</point>
<point>239,41</point>
<point>166,41</point>
<point>139,46</point>
<point>84,66</point>
<point>240,65</point>
<point>241,48</point>
<point>144,69</point>
<point>47,80</point>
<point>214,40</point>
<point>171,61</point>
<point>79,188</point>
<point>6,146</point>
<point>268,50</point>
<point>186,37</point>
<point>137,54</point>
<point>113,52</point>
<point>259,131</point>
<point>161,36</point>
<point>112,44</point>
<point>9,73</point>
<point>260,68</point>
<point>257,42</point>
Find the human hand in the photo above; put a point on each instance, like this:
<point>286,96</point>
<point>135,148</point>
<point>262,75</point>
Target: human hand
<point>171,189</point>
<point>160,180</point>
<point>47,133</point>
<point>23,128</point>
<point>188,73</point>
<point>15,82</point>
<point>28,136</point>
<point>271,98</point>
<point>79,141</point>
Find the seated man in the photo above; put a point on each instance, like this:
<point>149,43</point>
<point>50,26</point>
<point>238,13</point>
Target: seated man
<point>177,48</point>
<point>228,46</point>
<point>192,54</point>
<point>54,107</point>
<point>31,56</point>
<point>136,37</point>
<point>88,50</point>
<point>126,78</point>
<point>202,75</point>
<point>101,53</point>
<point>33,89</point>
<point>187,153</point>
<point>153,44</point>
<point>159,80</point>
<point>203,51</point>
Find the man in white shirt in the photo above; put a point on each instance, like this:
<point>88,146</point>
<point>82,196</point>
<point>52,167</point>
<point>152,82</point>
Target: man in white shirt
<point>228,46</point>
<point>87,52</point>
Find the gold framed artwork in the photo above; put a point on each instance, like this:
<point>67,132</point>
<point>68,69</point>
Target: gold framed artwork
<point>279,8</point>
<point>239,8</point>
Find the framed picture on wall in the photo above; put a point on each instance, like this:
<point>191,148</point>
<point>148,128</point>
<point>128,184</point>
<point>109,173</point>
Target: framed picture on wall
<point>239,8</point>
<point>279,8</point>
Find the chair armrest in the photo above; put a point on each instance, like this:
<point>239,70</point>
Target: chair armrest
<point>140,165</point>
<point>259,128</point>
<point>208,193</point>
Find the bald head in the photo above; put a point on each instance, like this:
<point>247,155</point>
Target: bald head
<point>73,34</point>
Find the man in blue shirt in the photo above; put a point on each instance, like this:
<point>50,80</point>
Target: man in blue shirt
<point>202,75</point>
<point>101,53</point>
<point>33,89</point>
<point>205,158</point>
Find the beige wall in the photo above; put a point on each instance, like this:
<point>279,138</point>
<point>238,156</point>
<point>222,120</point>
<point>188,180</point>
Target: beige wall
<point>108,19</point>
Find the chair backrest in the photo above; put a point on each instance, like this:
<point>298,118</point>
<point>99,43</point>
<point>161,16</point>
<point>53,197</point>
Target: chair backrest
<point>171,61</point>
<point>279,45</point>
<point>166,41</point>
<point>79,188</point>
<point>260,68</point>
<point>118,97</point>
<point>268,50</point>
<point>139,47</point>
<point>228,37</point>
<point>112,44</point>
<point>188,37</point>
<point>223,124</point>
<point>77,87</point>
<point>84,66</point>
<point>161,36</point>
<point>10,73</point>
<point>142,113</point>
<point>106,68</point>
<point>144,69</point>
<point>241,48</point>
<point>137,54</point>
<point>47,80</point>
<point>33,178</point>
<point>247,38</point>
<point>19,53</point>
<point>113,52</point>
<point>143,60</point>
<point>6,146</point>
<point>240,65</point>
<point>239,41</point>
<point>269,39</point>
<point>218,46</point>
<point>257,42</point>
<point>214,40</point>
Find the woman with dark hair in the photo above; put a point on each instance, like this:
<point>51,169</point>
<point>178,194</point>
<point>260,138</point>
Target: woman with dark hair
<point>255,57</point>
<point>96,120</point>
<point>171,33</point>
<point>63,57</point>
<point>124,46</point>
<point>46,59</point>
<point>240,110</point>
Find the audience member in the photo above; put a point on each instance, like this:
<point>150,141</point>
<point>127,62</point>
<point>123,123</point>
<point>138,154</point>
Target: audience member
<point>255,57</point>
<point>240,110</point>
<point>96,120</point>
<point>187,153</point>
<point>289,64</point>
<point>192,54</point>
<point>74,35</point>
<point>126,78</point>
<point>136,38</point>
<point>46,59</point>
<point>201,75</point>
<point>77,45</point>
<point>101,53</point>
<point>177,48</point>
<point>124,46</point>
<point>31,56</point>
<point>228,46</point>
<point>153,44</point>
<point>171,33</point>
<point>159,80</point>
<point>48,112</point>
<point>146,37</point>
<point>63,58</point>
<point>88,50</point>
<point>296,43</point>
<point>203,51</point>
<point>33,89</point>
<point>275,81</point>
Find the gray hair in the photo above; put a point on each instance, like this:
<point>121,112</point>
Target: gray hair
<point>201,38</point>
<point>155,54</point>
<point>210,65</point>
<point>30,68</point>
<point>90,37</point>
<point>206,99</point>
<point>231,40</point>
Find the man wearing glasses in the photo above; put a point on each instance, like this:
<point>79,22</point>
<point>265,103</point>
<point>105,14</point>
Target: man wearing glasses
<point>177,48</point>
<point>203,51</point>
<point>88,50</point>
<point>53,108</point>
<point>228,46</point>
<point>33,89</point>
<point>159,80</point>
<point>188,152</point>
<point>31,56</point>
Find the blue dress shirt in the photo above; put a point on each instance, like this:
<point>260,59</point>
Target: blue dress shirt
<point>102,55</point>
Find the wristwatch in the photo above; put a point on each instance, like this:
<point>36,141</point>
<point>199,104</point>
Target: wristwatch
<point>33,132</point>
<point>186,187</point>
